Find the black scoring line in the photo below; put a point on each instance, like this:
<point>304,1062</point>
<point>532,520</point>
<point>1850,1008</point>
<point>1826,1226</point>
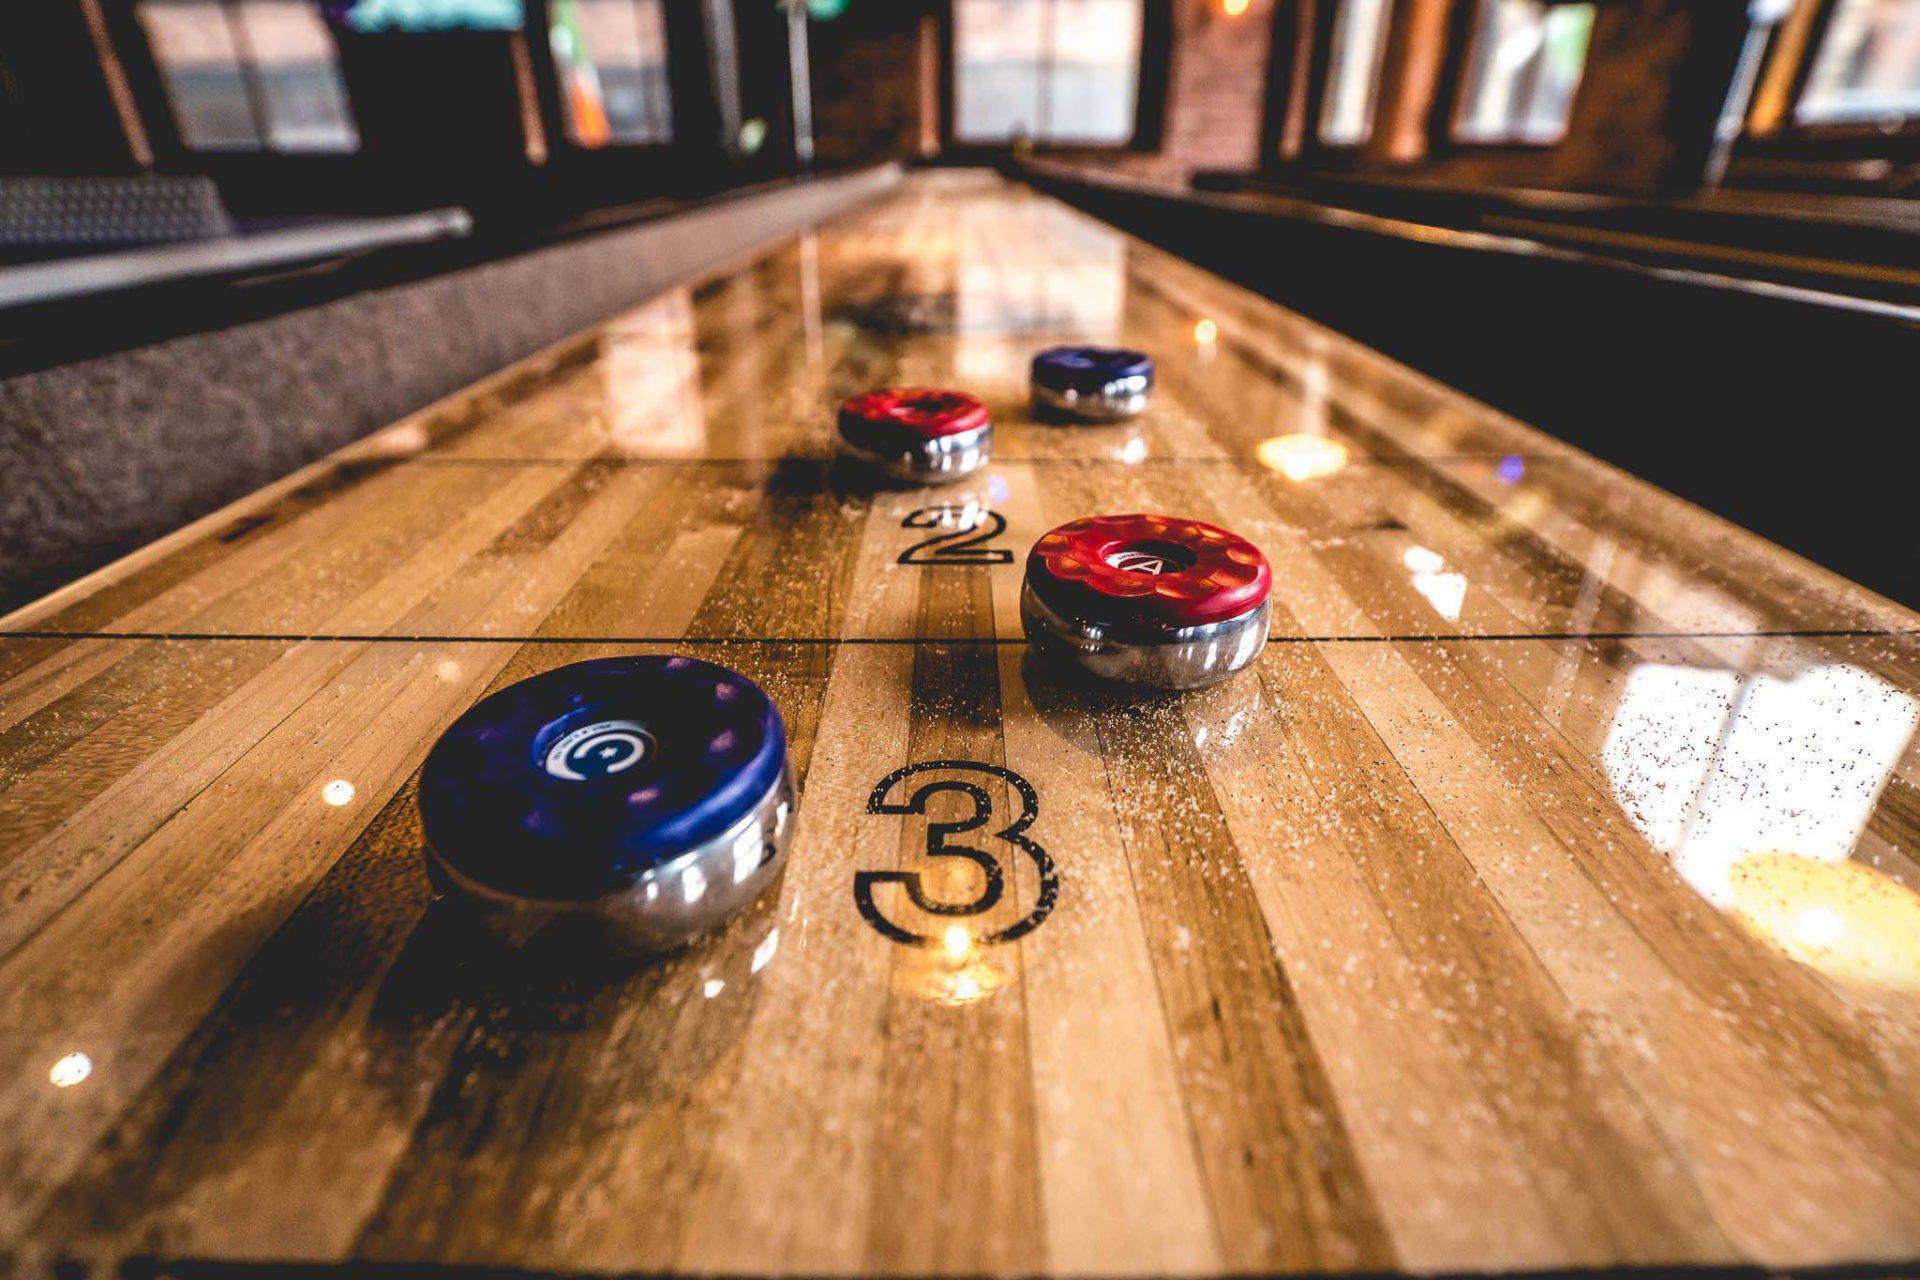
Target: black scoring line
<point>335,637</point>
<point>824,457</point>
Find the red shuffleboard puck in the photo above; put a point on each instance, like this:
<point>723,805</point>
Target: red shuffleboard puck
<point>923,435</point>
<point>1147,599</point>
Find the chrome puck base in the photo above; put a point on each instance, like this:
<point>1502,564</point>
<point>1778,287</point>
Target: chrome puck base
<point>1120,399</point>
<point>663,908</point>
<point>1182,658</point>
<point>933,459</point>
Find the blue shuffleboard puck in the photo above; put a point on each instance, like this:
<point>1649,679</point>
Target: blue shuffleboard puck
<point>649,794</point>
<point>1100,384</point>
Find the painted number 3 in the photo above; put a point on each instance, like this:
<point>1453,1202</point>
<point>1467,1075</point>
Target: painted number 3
<point>941,843</point>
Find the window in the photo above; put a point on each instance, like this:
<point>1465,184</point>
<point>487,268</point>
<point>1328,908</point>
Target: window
<point>1353,71</point>
<point>1064,71</point>
<point>252,75</point>
<point>611,56</point>
<point>1867,67</point>
<point>1522,70</point>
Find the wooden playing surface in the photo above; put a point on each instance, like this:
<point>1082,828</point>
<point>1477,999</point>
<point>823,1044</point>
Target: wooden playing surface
<point>1543,897</point>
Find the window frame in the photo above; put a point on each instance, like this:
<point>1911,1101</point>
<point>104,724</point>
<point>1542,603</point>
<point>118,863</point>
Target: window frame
<point>1831,157</point>
<point>263,180</point>
<point>1285,93</point>
<point>1325,18</point>
<point>548,88</point>
<point>147,80</point>
<point>1151,87</point>
<point>572,177</point>
<point>1792,128</point>
<point>1452,96</point>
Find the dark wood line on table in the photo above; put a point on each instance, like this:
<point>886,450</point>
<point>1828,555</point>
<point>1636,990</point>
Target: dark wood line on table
<point>219,1269</point>
<point>936,1146</point>
<point>1281,1167</point>
<point>329,637</point>
<point>567,460</point>
<point>189,1268</point>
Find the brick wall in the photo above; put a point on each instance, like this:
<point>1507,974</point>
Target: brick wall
<point>1218,84</point>
<point>1216,88</point>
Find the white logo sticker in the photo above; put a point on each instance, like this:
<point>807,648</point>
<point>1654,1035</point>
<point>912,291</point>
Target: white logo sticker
<point>598,750</point>
<point>1140,562</point>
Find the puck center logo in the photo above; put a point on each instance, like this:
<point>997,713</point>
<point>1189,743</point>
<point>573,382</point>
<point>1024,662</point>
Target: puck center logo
<point>1154,558</point>
<point>598,750</point>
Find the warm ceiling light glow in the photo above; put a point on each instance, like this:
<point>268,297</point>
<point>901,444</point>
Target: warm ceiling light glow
<point>1234,8</point>
<point>1205,332</point>
<point>1301,456</point>
<point>70,1070</point>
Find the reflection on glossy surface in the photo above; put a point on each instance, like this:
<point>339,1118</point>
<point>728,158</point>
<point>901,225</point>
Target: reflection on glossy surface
<point>1847,920</point>
<point>966,504</point>
<point>1007,298</point>
<point>810,311</point>
<point>70,1070</point>
<point>650,379</point>
<point>1714,767</point>
<point>959,971</point>
<point>1446,592</point>
<point>399,442</point>
<point>1205,332</point>
<point>769,947</point>
<point>1080,292</point>
<point>1125,442</point>
<point>1302,455</point>
<point>1218,716</point>
<point>338,792</point>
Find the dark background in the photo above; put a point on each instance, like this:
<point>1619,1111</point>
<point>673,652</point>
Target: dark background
<point>1741,333</point>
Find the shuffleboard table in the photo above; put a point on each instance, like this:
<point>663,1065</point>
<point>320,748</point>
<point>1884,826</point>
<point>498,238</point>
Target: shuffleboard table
<point>1544,896</point>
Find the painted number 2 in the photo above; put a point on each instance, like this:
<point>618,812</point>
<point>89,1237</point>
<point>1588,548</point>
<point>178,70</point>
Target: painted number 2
<point>941,843</point>
<point>955,546</point>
